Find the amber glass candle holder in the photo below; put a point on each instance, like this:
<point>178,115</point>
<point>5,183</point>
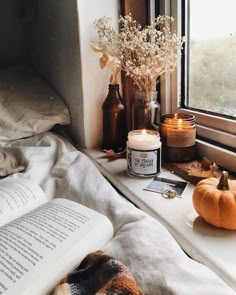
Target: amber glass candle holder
<point>178,134</point>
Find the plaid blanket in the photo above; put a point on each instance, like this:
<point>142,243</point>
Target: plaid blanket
<point>98,274</point>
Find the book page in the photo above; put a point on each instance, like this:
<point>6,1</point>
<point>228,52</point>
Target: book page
<point>18,196</point>
<point>39,248</point>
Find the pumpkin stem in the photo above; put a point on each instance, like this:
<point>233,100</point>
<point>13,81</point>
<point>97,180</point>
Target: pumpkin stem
<point>223,183</point>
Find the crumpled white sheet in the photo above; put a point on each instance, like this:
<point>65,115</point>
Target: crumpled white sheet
<point>140,242</point>
<point>9,164</point>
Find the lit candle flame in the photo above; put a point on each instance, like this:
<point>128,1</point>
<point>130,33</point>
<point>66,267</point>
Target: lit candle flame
<point>144,132</point>
<point>180,123</point>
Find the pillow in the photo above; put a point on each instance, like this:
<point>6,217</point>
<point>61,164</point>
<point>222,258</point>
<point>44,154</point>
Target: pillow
<point>28,106</point>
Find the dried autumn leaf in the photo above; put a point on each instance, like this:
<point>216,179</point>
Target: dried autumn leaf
<point>109,153</point>
<point>200,172</point>
<point>103,61</point>
<point>206,163</point>
<point>95,48</point>
<point>112,155</point>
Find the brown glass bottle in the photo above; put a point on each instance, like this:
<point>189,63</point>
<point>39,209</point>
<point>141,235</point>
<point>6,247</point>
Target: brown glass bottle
<point>114,122</point>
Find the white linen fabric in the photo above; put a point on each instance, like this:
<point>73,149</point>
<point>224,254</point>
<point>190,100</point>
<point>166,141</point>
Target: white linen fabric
<point>28,105</point>
<point>140,242</point>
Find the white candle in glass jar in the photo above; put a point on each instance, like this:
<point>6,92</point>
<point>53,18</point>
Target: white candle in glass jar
<point>143,153</point>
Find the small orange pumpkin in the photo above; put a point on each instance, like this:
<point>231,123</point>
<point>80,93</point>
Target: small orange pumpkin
<point>215,201</point>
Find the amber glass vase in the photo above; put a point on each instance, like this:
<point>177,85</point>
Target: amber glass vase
<point>114,121</point>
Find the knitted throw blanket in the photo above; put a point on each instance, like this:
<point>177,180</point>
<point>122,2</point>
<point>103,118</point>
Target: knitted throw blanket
<point>98,274</point>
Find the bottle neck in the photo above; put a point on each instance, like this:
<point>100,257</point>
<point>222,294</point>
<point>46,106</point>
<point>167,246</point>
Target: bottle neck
<point>114,87</point>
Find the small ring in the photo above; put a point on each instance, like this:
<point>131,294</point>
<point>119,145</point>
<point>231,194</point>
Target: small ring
<point>170,194</point>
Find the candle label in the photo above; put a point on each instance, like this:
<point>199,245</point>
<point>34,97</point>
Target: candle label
<point>144,163</point>
<point>181,137</point>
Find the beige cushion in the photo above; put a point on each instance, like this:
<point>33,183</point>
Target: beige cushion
<point>28,105</point>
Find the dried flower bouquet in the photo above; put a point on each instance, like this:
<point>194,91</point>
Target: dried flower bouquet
<point>144,54</point>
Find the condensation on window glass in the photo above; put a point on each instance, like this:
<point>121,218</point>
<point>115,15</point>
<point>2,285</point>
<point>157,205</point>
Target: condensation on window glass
<point>212,56</point>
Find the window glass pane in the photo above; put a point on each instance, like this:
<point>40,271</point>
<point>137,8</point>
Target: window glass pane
<point>212,56</point>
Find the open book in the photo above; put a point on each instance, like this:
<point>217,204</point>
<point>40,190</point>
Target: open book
<point>42,241</point>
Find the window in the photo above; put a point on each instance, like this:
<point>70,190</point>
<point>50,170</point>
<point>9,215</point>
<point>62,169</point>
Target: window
<point>205,82</point>
<point>211,50</point>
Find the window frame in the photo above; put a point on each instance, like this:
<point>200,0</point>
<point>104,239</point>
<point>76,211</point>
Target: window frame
<point>216,135</point>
